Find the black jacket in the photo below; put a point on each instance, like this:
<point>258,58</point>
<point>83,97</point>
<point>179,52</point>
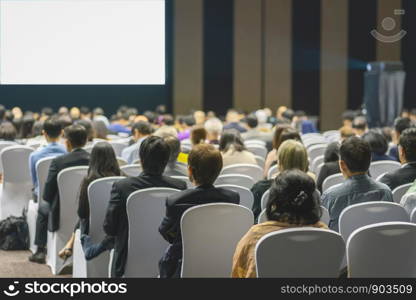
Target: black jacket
<point>176,205</point>
<point>328,169</point>
<point>116,222</point>
<point>404,175</point>
<point>78,157</point>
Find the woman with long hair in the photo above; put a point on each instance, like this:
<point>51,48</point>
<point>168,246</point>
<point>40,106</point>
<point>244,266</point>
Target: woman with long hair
<point>233,149</point>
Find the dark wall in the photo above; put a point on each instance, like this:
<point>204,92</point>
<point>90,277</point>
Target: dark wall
<point>109,97</point>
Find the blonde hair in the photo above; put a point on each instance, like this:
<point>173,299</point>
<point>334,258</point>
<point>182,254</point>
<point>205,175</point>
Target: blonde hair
<point>292,155</point>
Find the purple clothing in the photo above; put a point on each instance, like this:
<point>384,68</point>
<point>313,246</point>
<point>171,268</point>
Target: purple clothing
<point>184,135</point>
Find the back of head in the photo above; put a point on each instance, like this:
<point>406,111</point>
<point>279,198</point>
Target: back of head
<point>189,120</point>
<point>143,128</point>
<point>103,162</point>
<point>76,136</point>
<point>166,131</point>
<point>346,132</point>
<point>7,131</point>
<point>213,126</point>
<point>232,116</point>
<point>231,139</point>
<point>174,147</point>
<point>356,154</point>
<point>88,127</point>
<point>199,117</point>
<point>292,155</point>
<point>288,114</point>
<point>360,123</point>
<point>284,133</point>
<point>198,135</point>
<point>2,112</point>
<point>401,124</point>
<point>52,127</point>
<point>293,199</point>
<point>154,155</point>
<point>100,129</point>
<point>205,163</point>
<point>378,144</point>
<point>261,116</point>
<point>332,153</point>
<point>98,111</point>
<point>251,121</point>
<point>408,144</point>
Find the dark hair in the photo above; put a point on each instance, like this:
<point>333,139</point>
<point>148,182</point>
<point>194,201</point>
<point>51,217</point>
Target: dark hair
<point>360,123</point>
<point>76,135</point>
<point>283,133</point>
<point>206,163</point>
<point>332,153</point>
<point>100,129</point>
<point>356,153</point>
<point>65,121</point>
<point>408,143</point>
<point>37,128</point>
<point>154,155</point>
<point>26,128</point>
<point>387,133</point>
<point>231,138</point>
<point>47,111</point>
<point>103,161</point>
<point>84,110</point>
<point>7,131</point>
<point>378,144</point>
<point>88,127</point>
<point>198,135</point>
<point>52,127</point>
<point>189,120</point>
<point>293,199</point>
<point>98,111</point>
<point>174,147</point>
<point>401,124</point>
<point>151,116</point>
<point>288,114</point>
<point>251,121</point>
<point>2,112</point>
<point>144,128</point>
<point>349,115</point>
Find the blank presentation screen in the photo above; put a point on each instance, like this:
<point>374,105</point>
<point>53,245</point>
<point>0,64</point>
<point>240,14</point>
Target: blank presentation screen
<point>82,42</point>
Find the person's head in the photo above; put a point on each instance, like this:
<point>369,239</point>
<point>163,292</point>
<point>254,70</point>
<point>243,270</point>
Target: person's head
<point>165,131</point>
<point>37,128</point>
<point>65,121</point>
<point>355,156</point>
<point>360,126</point>
<point>288,114</point>
<point>232,116</point>
<point>231,140</point>
<point>198,135</point>
<point>378,144</point>
<point>292,155</point>
<point>387,132</point>
<point>74,113</point>
<point>332,153</point>
<point>251,121</point>
<point>76,137</point>
<point>26,128</point>
<point>261,117</point>
<point>7,131</point>
<point>204,164</point>
<point>103,162</point>
<point>407,146</point>
<point>46,113</point>
<point>141,129</point>
<point>346,132</point>
<point>98,111</point>
<point>85,113</point>
<point>280,111</point>
<point>17,112</point>
<point>400,125</point>
<point>214,128</point>
<point>284,133</point>
<point>52,129</point>
<point>154,155</point>
<point>100,129</point>
<point>151,116</point>
<point>293,199</point>
<point>2,112</point>
<point>87,124</point>
<point>174,147</point>
<point>63,111</point>
<point>187,122</point>
<point>348,118</point>
<point>199,117</point>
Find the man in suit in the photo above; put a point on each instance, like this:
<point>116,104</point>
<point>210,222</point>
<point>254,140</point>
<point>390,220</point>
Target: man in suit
<point>49,212</point>
<point>204,166</point>
<point>154,155</point>
<point>407,154</point>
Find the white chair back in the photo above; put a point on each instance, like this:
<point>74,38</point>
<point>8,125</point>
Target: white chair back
<point>413,216</point>
<point>3,145</point>
<point>332,181</point>
<point>255,143</point>
<point>122,162</point>
<point>316,162</point>
<point>42,170</point>
<point>272,171</point>
<point>384,250</point>
<point>409,202</point>
<point>265,199</point>
<point>145,210</point>
<point>297,253</point>
<point>132,170</point>
<point>257,150</point>
<point>316,151</point>
<point>260,161</point>
<point>210,234</point>
<point>363,214</point>
<point>381,167</point>
<point>246,196</point>
<point>400,191</point>
<point>235,179</point>
<point>118,147</point>
<point>253,171</point>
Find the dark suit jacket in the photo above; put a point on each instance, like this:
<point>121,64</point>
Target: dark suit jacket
<point>404,175</point>
<point>78,157</point>
<point>116,222</point>
<point>328,169</point>
<point>170,229</point>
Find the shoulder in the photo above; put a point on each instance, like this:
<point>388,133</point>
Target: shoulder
<point>175,183</point>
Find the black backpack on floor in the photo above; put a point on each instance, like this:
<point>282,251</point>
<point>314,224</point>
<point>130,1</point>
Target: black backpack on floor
<point>14,234</point>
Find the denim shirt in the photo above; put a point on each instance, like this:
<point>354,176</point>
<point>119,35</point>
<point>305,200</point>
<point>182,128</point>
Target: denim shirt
<point>356,189</point>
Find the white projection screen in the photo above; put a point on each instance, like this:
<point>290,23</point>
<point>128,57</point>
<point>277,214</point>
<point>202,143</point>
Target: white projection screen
<point>79,42</point>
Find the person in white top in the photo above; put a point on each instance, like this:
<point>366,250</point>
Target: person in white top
<point>233,149</point>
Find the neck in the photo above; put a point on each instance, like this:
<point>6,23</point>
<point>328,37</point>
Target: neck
<point>356,174</point>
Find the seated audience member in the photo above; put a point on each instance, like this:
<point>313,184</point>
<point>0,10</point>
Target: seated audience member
<point>205,164</point>
<point>154,155</point>
<point>348,118</point>
<point>293,203</point>
<point>407,153</point>
<point>360,126</point>
<point>141,130</point>
<point>74,113</point>
<point>76,138</point>
<point>400,125</point>
<point>378,146</point>
<point>8,132</point>
<point>302,124</point>
<point>232,121</point>
<point>87,124</point>
<point>262,119</point>
<point>98,115</point>
<point>186,124</point>
<point>233,149</point>
<point>85,113</point>
<point>331,164</point>
<point>281,134</point>
<point>355,160</point>
<point>165,131</point>
<point>100,130</point>
<point>26,129</point>
<point>120,124</point>
<point>253,132</point>
<point>198,136</point>
<point>174,168</point>
<point>291,155</point>
<point>214,128</point>
<point>345,133</point>
<point>200,118</point>
<point>52,132</point>
<point>103,163</point>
